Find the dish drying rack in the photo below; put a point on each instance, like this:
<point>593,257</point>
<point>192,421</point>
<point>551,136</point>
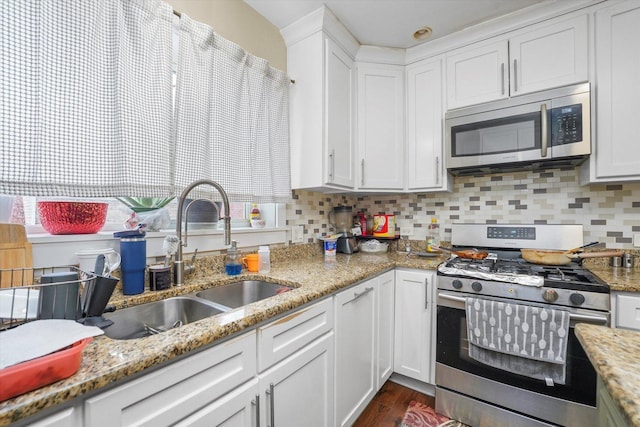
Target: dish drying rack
<point>24,298</point>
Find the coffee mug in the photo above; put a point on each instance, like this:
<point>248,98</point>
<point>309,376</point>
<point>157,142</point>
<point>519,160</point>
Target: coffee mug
<point>251,262</point>
<point>87,259</point>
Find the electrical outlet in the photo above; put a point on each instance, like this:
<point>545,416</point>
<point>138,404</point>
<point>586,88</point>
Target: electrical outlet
<point>636,240</point>
<point>297,234</point>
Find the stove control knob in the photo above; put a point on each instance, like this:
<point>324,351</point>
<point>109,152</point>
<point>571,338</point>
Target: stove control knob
<point>457,284</point>
<point>476,286</point>
<point>577,299</point>
<point>550,295</point>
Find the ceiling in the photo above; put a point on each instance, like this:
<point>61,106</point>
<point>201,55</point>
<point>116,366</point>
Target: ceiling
<point>391,23</point>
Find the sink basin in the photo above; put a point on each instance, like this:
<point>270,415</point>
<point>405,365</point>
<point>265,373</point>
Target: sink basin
<point>237,294</point>
<point>157,317</point>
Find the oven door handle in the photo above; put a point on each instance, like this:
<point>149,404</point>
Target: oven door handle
<point>587,318</point>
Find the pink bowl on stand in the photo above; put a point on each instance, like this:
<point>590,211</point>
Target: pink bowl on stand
<point>72,217</point>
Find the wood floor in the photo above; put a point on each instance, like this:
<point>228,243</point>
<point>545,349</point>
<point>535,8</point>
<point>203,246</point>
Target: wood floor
<point>389,404</point>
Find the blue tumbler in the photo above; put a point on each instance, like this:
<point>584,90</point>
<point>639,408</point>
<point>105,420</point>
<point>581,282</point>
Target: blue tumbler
<point>133,251</point>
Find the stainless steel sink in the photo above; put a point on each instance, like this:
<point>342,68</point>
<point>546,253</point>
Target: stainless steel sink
<point>237,294</point>
<point>157,317</point>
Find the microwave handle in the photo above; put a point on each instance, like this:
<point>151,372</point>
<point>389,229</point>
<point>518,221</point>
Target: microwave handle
<point>544,130</point>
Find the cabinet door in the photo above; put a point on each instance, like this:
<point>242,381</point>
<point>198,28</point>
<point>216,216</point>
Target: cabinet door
<point>385,297</point>
<point>70,417</point>
<point>170,394</point>
<point>238,408</point>
<point>477,73</point>
<point>355,351</point>
<point>338,115</point>
<point>627,310</point>
<point>285,336</point>
<point>425,141</point>
<point>617,152</point>
<point>380,124</point>
<point>413,324</point>
<point>299,390</point>
<point>549,56</point>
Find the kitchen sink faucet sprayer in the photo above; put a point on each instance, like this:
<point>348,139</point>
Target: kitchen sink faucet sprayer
<point>178,265</point>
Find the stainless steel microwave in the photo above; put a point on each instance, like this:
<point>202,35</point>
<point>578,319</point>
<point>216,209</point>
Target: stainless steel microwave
<point>543,129</point>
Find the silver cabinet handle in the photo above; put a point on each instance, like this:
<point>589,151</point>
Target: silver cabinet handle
<point>362,172</point>
<point>437,170</point>
<point>256,402</point>
<point>544,130</point>
<point>270,393</point>
<point>502,76</point>
<point>515,75</point>
<point>426,292</point>
<point>357,295</point>
<point>332,165</point>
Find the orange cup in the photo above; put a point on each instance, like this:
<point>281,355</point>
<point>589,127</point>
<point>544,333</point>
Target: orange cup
<point>251,262</point>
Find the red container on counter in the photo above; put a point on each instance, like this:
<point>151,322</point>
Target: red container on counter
<point>384,225</point>
<point>45,370</point>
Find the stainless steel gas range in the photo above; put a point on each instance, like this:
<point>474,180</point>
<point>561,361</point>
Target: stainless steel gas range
<point>506,352</point>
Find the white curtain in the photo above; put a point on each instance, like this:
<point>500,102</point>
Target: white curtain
<point>86,107</point>
<point>231,118</point>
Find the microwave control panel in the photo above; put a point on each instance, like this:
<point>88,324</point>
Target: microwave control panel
<point>566,124</point>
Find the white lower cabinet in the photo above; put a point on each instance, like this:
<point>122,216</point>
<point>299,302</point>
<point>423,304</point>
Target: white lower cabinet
<point>625,310</point>
<point>178,391</point>
<point>415,307</point>
<point>355,351</point>
<point>296,365</point>
<point>239,408</point>
<point>385,311</point>
<point>608,413</point>
<point>70,417</point>
<point>299,390</point>
<point>364,344</point>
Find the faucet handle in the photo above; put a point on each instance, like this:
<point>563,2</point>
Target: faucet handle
<point>193,257</point>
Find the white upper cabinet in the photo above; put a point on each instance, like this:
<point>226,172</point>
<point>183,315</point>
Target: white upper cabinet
<point>477,73</point>
<point>616,152</point>
<point>543,56</point>
<point>380,124</point>
<point>321,104</point>
<point>425,139</point>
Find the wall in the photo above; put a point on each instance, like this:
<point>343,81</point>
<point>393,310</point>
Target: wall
<point>609,213</point>
<point>237,21</point>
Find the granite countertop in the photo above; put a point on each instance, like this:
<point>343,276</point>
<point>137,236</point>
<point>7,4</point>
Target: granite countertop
<point>106,361</point>
<point>620,279</point>
<point>614,353</point>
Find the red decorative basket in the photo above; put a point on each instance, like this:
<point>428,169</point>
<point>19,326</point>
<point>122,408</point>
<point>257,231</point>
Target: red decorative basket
<point>72,217</point>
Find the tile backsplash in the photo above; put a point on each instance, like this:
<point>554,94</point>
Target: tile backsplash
<point>610,213</point>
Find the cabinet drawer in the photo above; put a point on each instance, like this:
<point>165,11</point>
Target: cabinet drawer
<point>169,394</point>
<point>284,336</point>
<point>628,311</point>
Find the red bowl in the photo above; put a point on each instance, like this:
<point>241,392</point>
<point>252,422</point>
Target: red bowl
<point>72,217</point>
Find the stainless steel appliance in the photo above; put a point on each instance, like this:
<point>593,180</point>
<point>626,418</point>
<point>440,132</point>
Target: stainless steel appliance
<point>341,217</point>
<point>543,129</point>
<point>481,395</point>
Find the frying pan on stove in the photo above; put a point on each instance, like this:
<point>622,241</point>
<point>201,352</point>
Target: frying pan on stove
<point>555,257</point>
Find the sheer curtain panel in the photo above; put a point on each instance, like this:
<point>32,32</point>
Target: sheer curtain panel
<point>231,118</point>
<point>86,107</point>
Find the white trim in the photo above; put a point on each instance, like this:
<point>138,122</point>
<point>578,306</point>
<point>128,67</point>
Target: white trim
<point>56,250</point>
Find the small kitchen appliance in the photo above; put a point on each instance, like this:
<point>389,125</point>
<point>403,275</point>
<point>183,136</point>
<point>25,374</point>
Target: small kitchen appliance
<point>341,217</point>
<point>505,297</point>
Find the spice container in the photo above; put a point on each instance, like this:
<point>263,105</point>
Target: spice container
<point>627,261</point>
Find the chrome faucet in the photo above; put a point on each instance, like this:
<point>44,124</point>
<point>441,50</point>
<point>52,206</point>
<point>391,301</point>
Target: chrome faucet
<point>178,265</point>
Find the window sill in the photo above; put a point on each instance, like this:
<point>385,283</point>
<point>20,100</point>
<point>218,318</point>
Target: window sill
<point>55,250</point>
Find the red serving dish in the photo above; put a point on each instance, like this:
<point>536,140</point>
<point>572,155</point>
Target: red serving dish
<point>36,373</point>
<point>72,217</point>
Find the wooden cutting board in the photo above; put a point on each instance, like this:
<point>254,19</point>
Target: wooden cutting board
<point>15,253</point>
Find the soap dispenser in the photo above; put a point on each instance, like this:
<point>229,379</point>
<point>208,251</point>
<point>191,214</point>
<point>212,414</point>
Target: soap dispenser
<point>232,265</point>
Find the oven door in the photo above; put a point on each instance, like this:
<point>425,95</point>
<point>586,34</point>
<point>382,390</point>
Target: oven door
<point>452,356</point>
